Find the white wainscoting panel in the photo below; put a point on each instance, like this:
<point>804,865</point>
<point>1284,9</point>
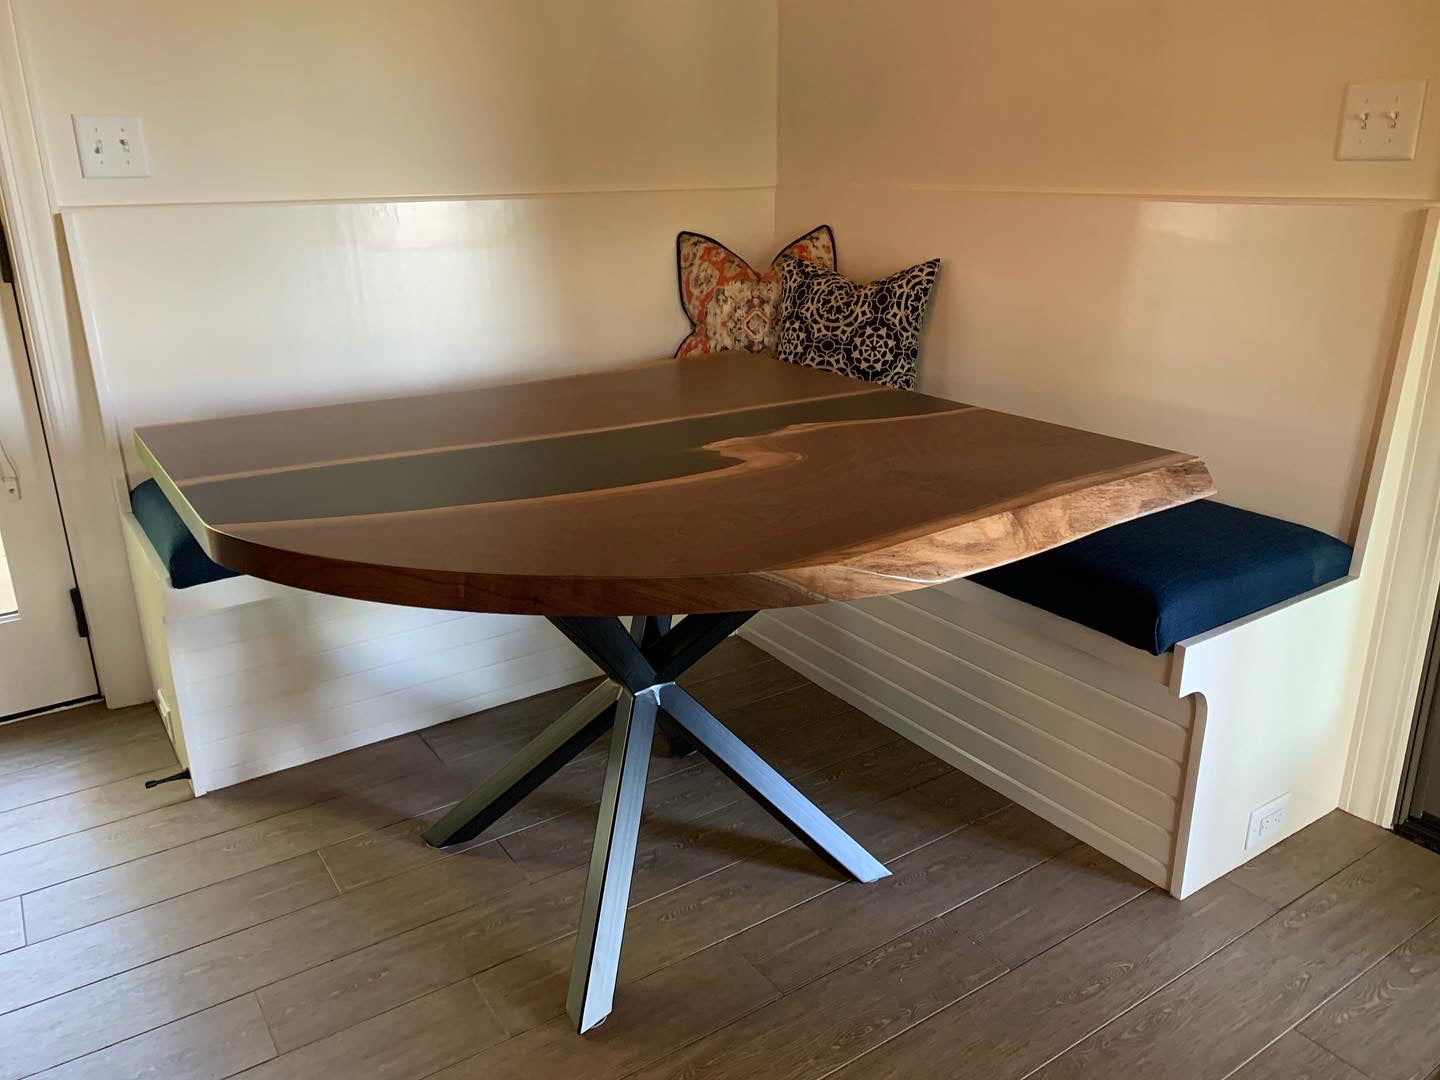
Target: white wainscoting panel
<point>1088,745</point>
<point>195,311</point>
<point>1257,334</point>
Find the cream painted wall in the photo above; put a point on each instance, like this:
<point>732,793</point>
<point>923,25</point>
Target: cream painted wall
<point>429,192</point>
<point>1211,97</point>
<point>1143,225</point>
<point>341,99</point>
<point>196,311</point>
<point>1145,232</point>
<point>1257,335</point>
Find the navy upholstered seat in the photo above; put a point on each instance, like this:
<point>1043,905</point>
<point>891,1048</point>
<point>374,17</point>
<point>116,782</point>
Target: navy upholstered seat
<point>1169,576</point>
<point>178,550</point>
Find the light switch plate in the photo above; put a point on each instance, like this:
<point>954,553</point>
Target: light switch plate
<point>111,147</point>
<point>1381,121</point>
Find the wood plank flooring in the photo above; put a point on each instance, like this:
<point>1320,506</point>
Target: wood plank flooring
<point>297,926</point>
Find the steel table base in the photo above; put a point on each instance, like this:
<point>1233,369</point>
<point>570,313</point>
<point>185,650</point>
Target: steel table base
<point>639,694</point>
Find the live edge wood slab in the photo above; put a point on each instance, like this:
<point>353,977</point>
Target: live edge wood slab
<point>720,483</point>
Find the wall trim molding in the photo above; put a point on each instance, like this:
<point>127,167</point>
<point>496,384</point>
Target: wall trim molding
<point>1403,508</point>
<point>475,196</point>
<point>1238,197</point>
<point>64,385</point>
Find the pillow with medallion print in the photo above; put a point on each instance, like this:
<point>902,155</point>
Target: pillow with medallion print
<point>869,332</point>
<point>730,306</point>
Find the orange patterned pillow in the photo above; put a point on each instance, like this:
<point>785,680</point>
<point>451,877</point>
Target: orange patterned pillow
<point>731,306</point>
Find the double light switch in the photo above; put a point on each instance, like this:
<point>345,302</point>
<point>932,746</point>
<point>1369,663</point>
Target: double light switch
<point>1381,121</point>
<point>111,146</point>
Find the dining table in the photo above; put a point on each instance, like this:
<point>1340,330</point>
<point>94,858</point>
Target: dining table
<point>647,511</point>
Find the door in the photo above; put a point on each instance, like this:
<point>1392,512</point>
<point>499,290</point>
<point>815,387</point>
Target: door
<point>43,659</point>
<point>1420,796</point>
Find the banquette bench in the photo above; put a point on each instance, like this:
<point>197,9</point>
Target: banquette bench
<point>251,677</point>
<point>1148,688</point>
<point>1095,683</point>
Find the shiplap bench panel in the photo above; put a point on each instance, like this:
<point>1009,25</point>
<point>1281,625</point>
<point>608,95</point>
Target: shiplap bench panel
<point>1149,814</point>
<point>336,680</point>
<point>1086,657</point>
<point>252,677</point>
<point>386,696</point>
<point>1050,793</point>
<point>1103,725</point>
<point>239,687</point>
<point>861,674</point>
<point>1232,718</point>
<point>289,627</point>
<point>397,711</point>
<point>1038,727</point>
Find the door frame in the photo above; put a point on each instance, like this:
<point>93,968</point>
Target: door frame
<point>65,385</point>
<point>1408,822</point>
<point>1404,495</point>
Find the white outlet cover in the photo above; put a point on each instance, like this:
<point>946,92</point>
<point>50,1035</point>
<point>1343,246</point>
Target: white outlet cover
<point>111,147</point>
<point>1267,822</point>
<point>1369,132</point>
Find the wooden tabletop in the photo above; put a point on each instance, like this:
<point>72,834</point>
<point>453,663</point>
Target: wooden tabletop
<point>729,482</point>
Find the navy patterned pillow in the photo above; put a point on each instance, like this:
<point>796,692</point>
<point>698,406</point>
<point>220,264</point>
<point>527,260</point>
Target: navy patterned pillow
<point>869,332</point>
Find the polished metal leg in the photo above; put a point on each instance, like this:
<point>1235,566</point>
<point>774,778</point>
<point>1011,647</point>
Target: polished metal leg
<point>642,664</point>
<point>607,890</point>
<point>767,787</point>
<point>536,762</point>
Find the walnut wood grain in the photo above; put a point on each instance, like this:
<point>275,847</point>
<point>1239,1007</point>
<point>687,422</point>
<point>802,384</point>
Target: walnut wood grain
<point>730,482</point>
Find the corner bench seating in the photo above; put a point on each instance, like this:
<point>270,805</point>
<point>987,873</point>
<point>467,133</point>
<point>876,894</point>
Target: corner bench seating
<point>1083,682</point>
<point>1146,688</point>
<point>1158,580</point>
<point>251,677</point>
<point>1149,583</point>
<point>185,562</point>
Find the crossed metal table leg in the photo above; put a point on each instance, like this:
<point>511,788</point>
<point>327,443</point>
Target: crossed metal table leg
<point>642,665</point>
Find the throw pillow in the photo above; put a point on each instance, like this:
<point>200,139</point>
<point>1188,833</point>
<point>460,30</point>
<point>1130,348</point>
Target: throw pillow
<point>870,332</point>
<point>731,306</point>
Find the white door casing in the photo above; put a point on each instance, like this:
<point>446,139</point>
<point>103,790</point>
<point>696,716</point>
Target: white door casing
<point>43,659</point>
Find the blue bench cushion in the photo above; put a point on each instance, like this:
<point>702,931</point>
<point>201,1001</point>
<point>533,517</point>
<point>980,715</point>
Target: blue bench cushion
<point>1169,576</point>
<point>178,550</point>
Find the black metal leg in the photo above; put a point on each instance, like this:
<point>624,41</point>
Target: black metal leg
<point>642,664</point>
<point>607,890</point>
<point>645,631</point>
<point>539,760</point>
<point>767,787</point>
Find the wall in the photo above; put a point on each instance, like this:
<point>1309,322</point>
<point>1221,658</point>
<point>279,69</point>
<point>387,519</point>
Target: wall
<point>1167,97</point>
<point>372,99</point>
<point>1257,335</point>
<point>1144,228</point>
<point>556,140</point>
<point>1145,233</point>
<point>361,197</point>
<point>274,305</point>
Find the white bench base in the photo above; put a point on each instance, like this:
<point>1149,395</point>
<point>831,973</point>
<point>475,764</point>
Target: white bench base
<point>252,677</point>
<point>1156,761</point>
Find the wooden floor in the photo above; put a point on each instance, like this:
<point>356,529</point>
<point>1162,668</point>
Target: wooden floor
<point>296,926</point>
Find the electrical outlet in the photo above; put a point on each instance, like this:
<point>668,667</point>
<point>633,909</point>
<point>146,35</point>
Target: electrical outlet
<point>1267,822</point>
<point>111,147</point>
